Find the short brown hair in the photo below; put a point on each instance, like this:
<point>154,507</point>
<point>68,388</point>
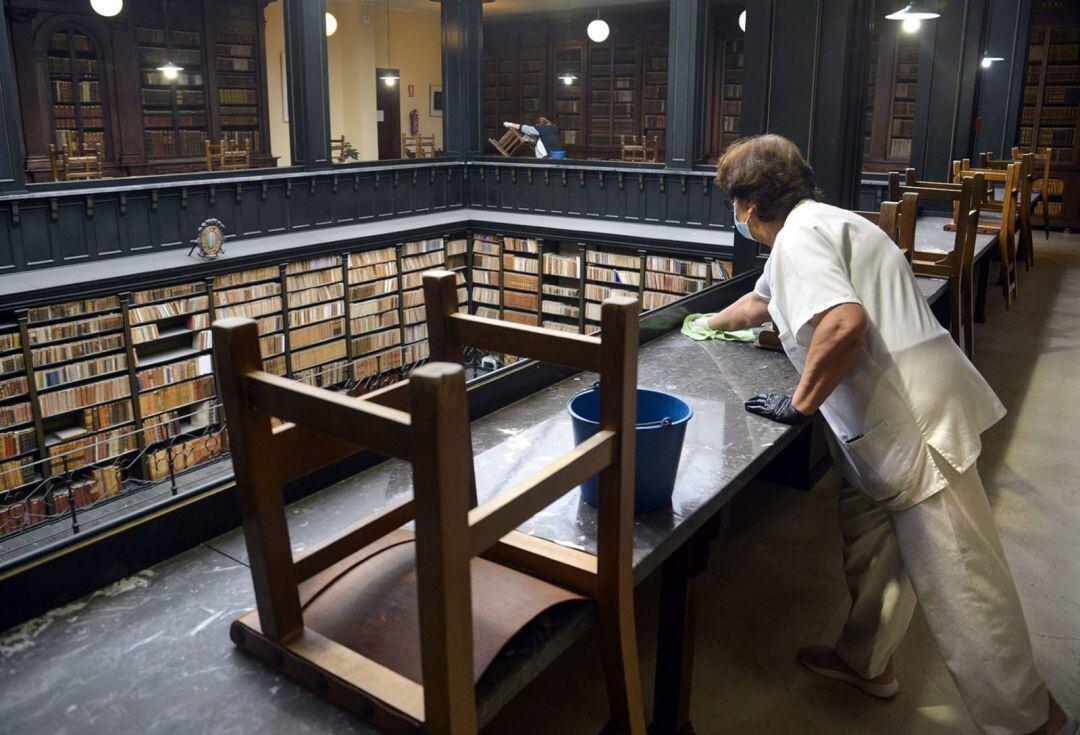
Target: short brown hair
<point>543,121</point>
<point>769,171</point>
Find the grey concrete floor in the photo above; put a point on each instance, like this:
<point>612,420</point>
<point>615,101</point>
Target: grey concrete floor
<point>775,581</point>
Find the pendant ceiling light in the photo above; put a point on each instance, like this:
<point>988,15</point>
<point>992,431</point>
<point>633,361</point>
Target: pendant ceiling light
<point>108,8</point>
<point>168,70</point>
<point>388,77</point>
<point>988,60</point>
<point>331,24</point>
<point>598,29</point>
<point>742,21</point>
<point>912,15</point>
<point>568,78</point>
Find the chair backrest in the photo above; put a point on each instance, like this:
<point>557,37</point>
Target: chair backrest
<point>418,146</point>
<point>83,163</point>
<point>1012,190</point>
<point>508,144</point>
<point>227,155</point>
<point>897,220</point>
<point>630,149</point>
<point>425,420</point>
<point>337,148</point>
<point>1045,158</point>
<point>907,182</point>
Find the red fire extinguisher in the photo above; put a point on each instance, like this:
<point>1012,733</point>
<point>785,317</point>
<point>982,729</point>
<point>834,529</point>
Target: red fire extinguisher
<point>414,123</point>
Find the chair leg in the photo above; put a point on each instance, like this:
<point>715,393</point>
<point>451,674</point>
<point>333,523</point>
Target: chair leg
<point>1046,217</point>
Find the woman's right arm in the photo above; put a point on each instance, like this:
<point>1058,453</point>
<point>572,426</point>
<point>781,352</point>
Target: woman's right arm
<point>749,311</point>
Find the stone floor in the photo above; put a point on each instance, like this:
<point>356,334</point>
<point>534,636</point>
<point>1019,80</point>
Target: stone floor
<point>775,580</point>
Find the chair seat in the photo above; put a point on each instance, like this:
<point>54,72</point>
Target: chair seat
<point>368,603</point>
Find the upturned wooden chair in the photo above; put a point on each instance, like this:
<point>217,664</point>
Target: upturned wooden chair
<point>396,626</point>
<point>226,155</point>
<point>1041,183</point>
<point>418,146</point>
<point>1004,222</point>
<point>956,265</point>
<point>510,142</point>
<point>1025,202</point>
<point>898,220</point>
<point>631,150</point>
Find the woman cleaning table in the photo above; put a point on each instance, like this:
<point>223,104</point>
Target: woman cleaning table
<point>547,137</point>
<point>906,410</point>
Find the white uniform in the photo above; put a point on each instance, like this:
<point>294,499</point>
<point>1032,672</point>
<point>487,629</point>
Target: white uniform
<point>907,420</point>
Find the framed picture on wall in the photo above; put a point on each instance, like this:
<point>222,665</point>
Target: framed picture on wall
<point>435,100</point>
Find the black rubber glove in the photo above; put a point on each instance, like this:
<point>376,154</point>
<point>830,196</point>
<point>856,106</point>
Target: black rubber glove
<point>775,406</point>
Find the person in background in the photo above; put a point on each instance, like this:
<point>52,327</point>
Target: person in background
<point>546,135</point>
<point>906,409</point>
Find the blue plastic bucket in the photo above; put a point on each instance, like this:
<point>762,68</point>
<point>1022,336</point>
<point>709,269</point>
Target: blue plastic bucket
<point>558,155</point>
<point>661,428</point>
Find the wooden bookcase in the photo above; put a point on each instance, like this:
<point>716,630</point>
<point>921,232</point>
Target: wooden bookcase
<point>1050,112</point>
<point>891,93</point>
<point>78,109</point>
<point>82,74</point>
<point>724,63</point>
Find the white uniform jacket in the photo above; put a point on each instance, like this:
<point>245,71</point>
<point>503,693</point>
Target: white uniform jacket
<point>910,387</point>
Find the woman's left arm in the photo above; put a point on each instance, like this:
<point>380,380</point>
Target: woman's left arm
<point>834,347</point>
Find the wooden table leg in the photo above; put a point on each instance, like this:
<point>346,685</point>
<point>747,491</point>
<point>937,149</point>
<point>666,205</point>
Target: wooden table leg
<point>675,634</point>
<point>982,288</point>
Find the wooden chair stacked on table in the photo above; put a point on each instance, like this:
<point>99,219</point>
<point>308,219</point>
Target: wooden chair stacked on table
<point>956,265</point>
<point>84,163</point>
<point>1003,217</point>
<point>510,142</point>
<point>1041,185</point>
<point>337,149</point>
<point>227,155</point>
<point>897,220</point>
<point>1029,198</point>
<point>396,626</point>
<point>417,146</point>
<point>639,149</point>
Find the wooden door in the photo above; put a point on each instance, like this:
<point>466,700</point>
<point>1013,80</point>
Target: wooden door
<point>388,115</point>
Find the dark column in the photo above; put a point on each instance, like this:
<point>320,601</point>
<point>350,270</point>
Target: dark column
<point>462,62</point>
<point>11,153</point>
<point>309,89</point>
<point>686,49</point>
<point>948,76</point>
<point>757,57</point>
<point>1002,84</point>
<point>834,146</point>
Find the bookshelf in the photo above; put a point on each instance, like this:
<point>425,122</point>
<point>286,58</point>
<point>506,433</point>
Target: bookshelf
<point>237,75</point>
<point>724,62</point>
<point>414,258</point>
<point>315,341</point>
<point>892,86</point>
<point>1050,111</point>
<point>569,95</point>
<point>374,312</point>
<point>174,113</point>
<point>78,111</point>
<point>485,296</point>
<point>654,92</point>
<point>613,93</point>
<point>561,293</point>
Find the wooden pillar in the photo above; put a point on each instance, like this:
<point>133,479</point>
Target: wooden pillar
<point>462,66</point>
<point>686,51</point>
<point>11,151</point>
<point>309,87</point>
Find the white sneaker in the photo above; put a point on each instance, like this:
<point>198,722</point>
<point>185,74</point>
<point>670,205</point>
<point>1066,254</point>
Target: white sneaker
<point>824,662</point>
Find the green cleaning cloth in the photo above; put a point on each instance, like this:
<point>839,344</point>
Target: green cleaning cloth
<point>703,333</point>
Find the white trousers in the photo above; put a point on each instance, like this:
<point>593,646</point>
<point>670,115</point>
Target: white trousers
<point>944,552</point>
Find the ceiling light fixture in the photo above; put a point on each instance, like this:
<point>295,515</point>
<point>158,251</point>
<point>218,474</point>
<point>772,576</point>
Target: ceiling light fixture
<point>568,78</point>
<point>331,24</point>
<point>168,70</point>
<point>389,77</point>
<point>742,21</point>
<point>598,29</point>
<point>107,8</point>
<point>988,60</point>
<point>912,15</point>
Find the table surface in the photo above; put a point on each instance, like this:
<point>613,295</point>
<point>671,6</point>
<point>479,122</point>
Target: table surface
<point>930,234</point>
<point>153,650</point>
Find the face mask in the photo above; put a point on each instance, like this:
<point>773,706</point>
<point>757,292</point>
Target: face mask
<point>744,227</point>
